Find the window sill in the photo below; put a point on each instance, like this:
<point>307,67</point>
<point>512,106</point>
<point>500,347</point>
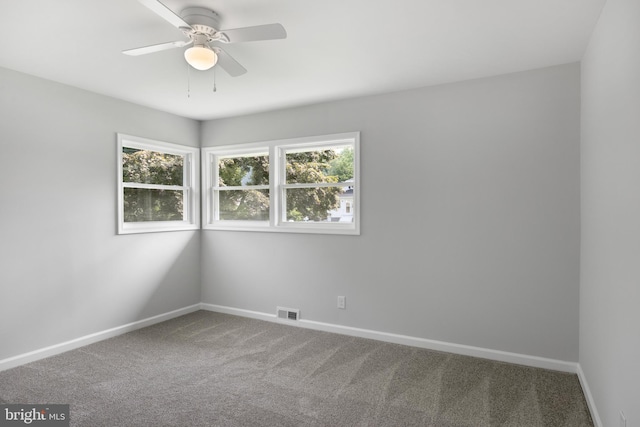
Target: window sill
<point>155,227</point>
<point>287,228</point>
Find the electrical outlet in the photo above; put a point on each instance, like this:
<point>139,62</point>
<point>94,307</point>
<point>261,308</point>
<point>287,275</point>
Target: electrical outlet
<point>342,302</point>
<point>623,420</point>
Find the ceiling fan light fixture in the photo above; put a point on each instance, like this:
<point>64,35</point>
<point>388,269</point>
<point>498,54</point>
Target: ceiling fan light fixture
<point>201,57</point>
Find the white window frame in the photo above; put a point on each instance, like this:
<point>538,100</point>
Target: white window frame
<point>191,173</point>
<point>210,157</point>
<point>277,186</point>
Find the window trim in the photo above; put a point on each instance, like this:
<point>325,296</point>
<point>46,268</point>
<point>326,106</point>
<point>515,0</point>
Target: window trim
<point>191,172</point>
<point>277,174</point>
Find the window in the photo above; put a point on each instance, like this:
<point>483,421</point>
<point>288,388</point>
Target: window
<point>156,186</point>
<point>297,185</point>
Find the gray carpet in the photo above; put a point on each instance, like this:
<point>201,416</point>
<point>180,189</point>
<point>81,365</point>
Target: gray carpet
<point>210,369</point>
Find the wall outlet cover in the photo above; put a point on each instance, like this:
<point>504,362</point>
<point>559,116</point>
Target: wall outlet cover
<point>342,302</point>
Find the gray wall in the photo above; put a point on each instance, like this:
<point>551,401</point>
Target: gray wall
<point>610,249</point>
<point>470,223</point>
<point>470,217</point>
<point>63,271</point>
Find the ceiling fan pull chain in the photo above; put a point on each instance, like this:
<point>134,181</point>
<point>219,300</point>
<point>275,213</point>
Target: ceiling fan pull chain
<point>214,80</point>
<point>188,82</point>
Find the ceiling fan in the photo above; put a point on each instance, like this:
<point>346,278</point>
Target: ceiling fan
<point>201,26</point>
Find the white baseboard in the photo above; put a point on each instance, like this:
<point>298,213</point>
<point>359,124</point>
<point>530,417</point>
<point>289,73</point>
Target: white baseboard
<point>498,355</point>
<point>32,356</point>
<point>589,397</point>
<point>485,353</point>
<point>240,312</point>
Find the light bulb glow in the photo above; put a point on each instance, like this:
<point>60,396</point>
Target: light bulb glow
<point>200,57</point>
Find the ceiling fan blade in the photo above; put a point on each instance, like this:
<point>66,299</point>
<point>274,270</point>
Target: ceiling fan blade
<point>259,32</point>
<point>165,13</point>
<point>230,65</point>
<point>155,48</point>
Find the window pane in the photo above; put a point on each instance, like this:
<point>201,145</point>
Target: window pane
<point>323,204</point>
<point>330,164</point>
<point>152,167</point>
<point>243,205</point>
<point>142,204</point>
<point>241,171</point>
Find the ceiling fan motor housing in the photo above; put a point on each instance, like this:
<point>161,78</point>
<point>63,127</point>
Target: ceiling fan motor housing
<point>202,20</point>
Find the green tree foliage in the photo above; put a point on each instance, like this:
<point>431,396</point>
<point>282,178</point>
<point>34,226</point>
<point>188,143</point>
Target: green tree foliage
<point>310,204</point>
<point>342,166</point>
<point>244,204</point>
<point>151,167</point>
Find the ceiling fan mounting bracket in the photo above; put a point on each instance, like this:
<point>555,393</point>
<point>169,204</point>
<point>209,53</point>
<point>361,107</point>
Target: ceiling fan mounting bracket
<point>204,22</point>
<point>199,17</point>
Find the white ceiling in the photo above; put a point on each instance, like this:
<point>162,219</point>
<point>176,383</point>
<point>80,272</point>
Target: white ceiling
<point>335,48</point>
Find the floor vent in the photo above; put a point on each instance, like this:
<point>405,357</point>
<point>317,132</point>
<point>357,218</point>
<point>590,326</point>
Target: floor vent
<point>288,313</point>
